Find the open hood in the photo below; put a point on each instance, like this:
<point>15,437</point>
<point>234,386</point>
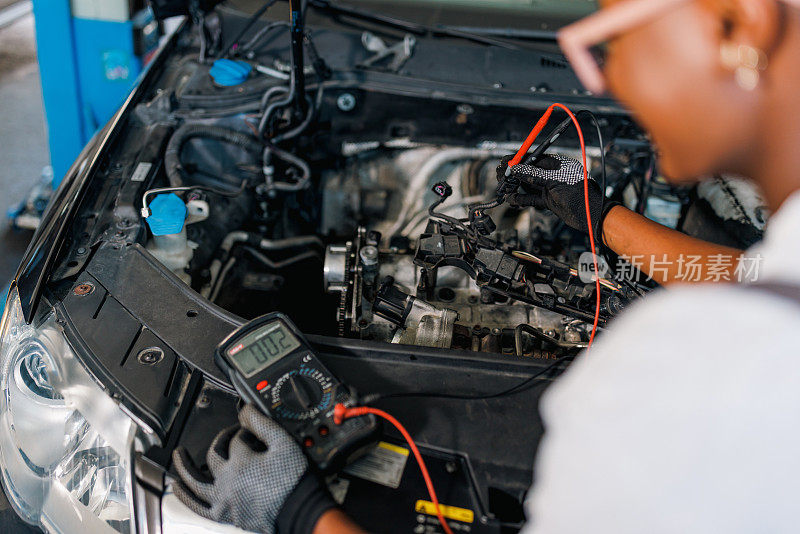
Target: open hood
<point>171,8</point>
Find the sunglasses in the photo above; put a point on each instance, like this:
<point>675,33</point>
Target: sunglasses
<point>579,41</point>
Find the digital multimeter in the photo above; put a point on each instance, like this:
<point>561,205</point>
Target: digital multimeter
<point>272,366</point>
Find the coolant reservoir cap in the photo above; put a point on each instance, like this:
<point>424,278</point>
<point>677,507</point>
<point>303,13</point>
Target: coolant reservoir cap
<point>228,72</point>
<point>167,214</point>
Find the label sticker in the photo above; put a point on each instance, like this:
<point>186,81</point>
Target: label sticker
<point>450,512</point>
<point>141,171</point>
<point>383,465</point>
<point>117,64</point>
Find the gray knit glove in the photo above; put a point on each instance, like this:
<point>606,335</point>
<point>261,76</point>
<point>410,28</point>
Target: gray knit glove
<point>555,183</point>
<point>255,468</point>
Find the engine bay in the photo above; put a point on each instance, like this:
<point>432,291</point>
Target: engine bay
<point>355,189</point>
<point>324,209</point>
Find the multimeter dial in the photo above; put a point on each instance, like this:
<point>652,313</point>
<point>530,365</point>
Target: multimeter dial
<point>271,365</point>
<point>301,394</point>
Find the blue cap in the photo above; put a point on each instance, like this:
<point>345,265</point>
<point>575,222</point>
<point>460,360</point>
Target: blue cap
<point>229,72</point>
<point>167,214</point>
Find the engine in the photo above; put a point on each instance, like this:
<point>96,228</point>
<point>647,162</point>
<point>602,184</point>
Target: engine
<point>363,202</point>
<point>423,285</point>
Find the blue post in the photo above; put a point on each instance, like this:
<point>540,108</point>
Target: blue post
<point>88,63</point>
<point>58,69</point>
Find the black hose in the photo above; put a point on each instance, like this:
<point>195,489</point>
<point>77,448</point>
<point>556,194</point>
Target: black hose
<point>225,50</point>
<point>172,155</point>
<point>296,78</point>
<point>255,41</point>
<point>268,94</point>
<point>270,148</point>
<point>300,184</point>
<point>310,114</point>
<point>280,103</point>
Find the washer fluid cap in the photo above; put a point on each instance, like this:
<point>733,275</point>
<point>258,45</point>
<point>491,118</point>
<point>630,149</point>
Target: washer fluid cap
<point>228,72</point>
<point>168,213</point>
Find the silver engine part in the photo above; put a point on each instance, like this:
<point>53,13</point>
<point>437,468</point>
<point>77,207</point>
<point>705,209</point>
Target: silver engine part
<point>357,269</point>
<point>427,326</point>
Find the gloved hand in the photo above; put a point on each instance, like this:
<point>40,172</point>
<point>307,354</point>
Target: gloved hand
<point>556,183</point>
<point>260,479</point>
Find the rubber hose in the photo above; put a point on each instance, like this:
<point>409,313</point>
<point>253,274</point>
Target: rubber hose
<point>301,183</point>
<point>172,155</point>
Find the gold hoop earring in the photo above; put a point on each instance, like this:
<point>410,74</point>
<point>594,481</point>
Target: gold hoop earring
<point>745,61</point>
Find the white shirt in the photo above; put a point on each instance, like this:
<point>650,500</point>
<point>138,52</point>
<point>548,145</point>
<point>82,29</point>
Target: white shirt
<point>684,417</point>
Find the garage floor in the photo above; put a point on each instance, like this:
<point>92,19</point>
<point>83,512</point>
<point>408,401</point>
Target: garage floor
<point>23,144</point>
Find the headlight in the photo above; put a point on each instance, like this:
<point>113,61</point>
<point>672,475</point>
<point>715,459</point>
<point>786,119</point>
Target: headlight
<point>65,446</point>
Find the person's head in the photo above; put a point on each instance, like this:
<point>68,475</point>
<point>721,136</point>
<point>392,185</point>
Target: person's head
<point>700,75</point>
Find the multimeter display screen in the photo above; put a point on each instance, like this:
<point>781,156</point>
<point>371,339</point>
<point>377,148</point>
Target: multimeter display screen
<point>257,350</point>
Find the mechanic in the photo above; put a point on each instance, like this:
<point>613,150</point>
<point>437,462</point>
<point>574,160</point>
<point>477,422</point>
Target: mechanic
<point>682,417</point>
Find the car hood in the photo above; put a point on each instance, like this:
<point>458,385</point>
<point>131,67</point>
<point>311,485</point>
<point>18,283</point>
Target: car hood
<point>170,8</point>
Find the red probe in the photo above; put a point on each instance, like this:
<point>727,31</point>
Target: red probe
<point>518,158</point>
<point>341,412</point>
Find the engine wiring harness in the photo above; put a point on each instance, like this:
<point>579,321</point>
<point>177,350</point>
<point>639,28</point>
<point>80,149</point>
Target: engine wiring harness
<point>449,241</point>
